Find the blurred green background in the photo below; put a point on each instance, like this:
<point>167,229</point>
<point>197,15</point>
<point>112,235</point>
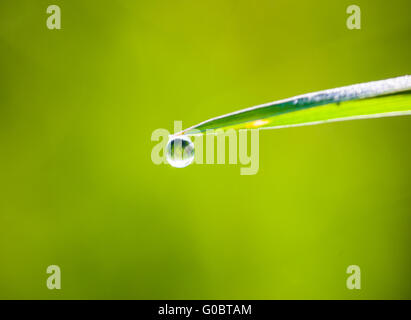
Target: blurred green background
<point>78,187</point>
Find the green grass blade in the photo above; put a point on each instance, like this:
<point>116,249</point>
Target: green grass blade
<point>391,97</point>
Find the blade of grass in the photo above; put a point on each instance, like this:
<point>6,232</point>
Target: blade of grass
<point>391,97</point>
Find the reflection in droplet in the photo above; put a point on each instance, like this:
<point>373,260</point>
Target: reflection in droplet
<point>180,151</point>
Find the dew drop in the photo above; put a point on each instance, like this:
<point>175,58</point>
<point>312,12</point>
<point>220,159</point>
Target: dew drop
<point>180,152</point>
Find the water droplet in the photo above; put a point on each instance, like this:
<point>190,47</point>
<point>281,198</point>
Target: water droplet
<point>180,151</point>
